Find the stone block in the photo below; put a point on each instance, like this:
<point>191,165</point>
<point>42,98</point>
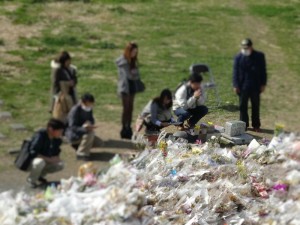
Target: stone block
<point>240,139</point>
<point>235,128</point>
<point>5,115</point>
<point>18,127</point>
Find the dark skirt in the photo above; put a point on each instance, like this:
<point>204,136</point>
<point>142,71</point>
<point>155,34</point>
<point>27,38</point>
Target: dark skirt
<point>132,87</point>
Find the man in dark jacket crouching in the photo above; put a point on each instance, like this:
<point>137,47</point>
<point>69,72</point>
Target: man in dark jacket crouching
<point>45,150</point>
<point>81,125</point>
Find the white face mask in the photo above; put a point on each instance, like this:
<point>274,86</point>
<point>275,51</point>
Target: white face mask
<point>245,52</point>
<point>85,108</point>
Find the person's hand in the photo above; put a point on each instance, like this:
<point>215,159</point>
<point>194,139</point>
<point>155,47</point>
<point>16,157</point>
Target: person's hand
<point>71,83</point>
<point>90,127</point>
<point>197,93</point>
<point>262,88</point>
<point>164,124</point>
<point>236,90</point>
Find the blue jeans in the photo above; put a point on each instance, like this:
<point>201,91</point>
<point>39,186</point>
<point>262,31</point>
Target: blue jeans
<point>193,115</point>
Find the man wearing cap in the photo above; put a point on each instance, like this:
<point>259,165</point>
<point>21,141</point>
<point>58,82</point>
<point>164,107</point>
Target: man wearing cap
<point>249,81</point>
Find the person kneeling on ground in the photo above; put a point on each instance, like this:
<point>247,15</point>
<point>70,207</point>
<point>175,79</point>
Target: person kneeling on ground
<point>189,101</point>
<point>157,114</point>
<point>45,149</point>
<point>80,130</point>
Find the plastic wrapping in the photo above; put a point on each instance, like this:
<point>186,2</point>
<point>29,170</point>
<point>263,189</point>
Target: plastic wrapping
<point>177,183</point>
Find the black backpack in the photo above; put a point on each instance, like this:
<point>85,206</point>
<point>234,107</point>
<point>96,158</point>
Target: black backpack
<point>24,158</point>
<point>183,82</point>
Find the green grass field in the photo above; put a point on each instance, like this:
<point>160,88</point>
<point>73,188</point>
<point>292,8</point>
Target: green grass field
<point>171,35</point>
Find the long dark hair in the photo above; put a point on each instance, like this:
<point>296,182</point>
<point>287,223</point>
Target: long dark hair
<point>62,58</point>
<point>159,100</point>
<point>127,54</point>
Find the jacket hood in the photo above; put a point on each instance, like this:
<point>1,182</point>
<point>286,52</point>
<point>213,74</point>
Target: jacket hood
<point>54,65</point>
<point>121,61</point>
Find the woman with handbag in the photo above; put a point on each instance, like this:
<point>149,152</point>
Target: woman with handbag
<point>63,82</point>
<point>129,83</point>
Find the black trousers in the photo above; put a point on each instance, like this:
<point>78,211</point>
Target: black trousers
<point>254,97</point>
<point>194,115</point>
<point>128,103</point>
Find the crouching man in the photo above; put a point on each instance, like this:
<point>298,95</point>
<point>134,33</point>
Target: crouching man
<point>189,101</point>
<point>80,131</point>
<point>45,149</point>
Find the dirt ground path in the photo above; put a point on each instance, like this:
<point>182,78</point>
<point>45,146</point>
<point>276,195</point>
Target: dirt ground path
<point>13,179</point>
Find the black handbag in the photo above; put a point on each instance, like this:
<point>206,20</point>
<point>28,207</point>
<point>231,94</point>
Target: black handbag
<point>139,86</point>
<point>24,158</point>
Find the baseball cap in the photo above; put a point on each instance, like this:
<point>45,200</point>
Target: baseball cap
<point>246,42</point>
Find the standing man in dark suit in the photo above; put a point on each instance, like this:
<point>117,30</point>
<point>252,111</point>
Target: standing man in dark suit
<point>249,81</point>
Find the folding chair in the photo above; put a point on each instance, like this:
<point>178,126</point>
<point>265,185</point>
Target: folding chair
<point>204,69</point>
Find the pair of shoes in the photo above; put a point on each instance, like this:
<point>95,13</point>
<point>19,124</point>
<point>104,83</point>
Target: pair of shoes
<point>83,157</point>
<point>126,133</point>
<point>31,183</point>
<point>43,180</point>
<point>189,125</point>
<point>257,129</point>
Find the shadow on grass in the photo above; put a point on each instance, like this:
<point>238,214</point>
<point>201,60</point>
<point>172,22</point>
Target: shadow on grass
<point>266,134</point>
<point>230,107</point>
<point>117,144</point>
<point>113,144</point>
<point>101,156</point>
<point>267,131</point>
<point>262,131</point>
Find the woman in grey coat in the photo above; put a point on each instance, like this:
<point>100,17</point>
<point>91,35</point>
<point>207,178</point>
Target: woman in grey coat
<point>157,114</point>
<point>128,75</point>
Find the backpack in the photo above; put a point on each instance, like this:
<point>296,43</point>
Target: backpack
<point>24,158</point>
<point>183,82</point>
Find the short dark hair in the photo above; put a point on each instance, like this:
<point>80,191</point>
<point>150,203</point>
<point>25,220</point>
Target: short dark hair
<point>195,78</point>
<point>63,57</point>
<point>87,97</point>
<point>55,124</point>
